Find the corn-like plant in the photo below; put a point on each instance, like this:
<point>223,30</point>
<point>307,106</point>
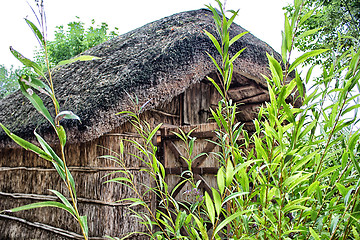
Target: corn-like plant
<point>30,87</point>
<point>298,177</point>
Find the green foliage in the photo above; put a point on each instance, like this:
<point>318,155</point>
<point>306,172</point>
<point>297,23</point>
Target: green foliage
<point>296,177</point>
<point>30,86</point>
<point>74,40</point>
<point>8,80</point>
<point>67,44</point>
<point>328,24</point>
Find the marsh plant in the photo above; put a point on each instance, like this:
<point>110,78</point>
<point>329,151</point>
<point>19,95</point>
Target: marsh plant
<point>32,87</point>
<point>296,177</point>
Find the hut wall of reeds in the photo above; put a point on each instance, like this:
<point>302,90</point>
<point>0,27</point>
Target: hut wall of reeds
<point>163,64</point>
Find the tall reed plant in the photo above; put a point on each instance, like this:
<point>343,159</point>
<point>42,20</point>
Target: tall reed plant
<point>35,86</point>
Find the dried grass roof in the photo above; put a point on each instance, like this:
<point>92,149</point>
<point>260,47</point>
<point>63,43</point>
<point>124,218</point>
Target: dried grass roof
<point>157,61</point>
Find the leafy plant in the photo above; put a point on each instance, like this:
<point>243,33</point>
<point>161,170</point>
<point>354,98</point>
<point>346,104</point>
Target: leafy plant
<point>8,80</point>
<point>334,24</point>
<point>297,176</point>
<point>67,44</point>
<point>73,40</point>
<point>30,87</point>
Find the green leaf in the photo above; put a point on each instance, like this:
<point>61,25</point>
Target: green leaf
<point>153,132</point>
<point>84,224</point>
<point>215,42</point>
<point>221,180</point>
<point>58,163</point>
<point>66,115</point>
<point>327,171</point>
<point>342,189</point>
<point>305,56</point>
<point>27,145</point>
<point>210,208</point>
<point>233,195</point>
<point>236,55</point>
<point>42,204</point>
<point>215,63</point>
<point>34,99</point>
<point>36,31</point>
<point>288,34</point>
<point>306,16</point>
<point>27,62</point>
<point>314,234</point>
<point>60,131</point>
<point>65,201</point>
<point>119,179</point>
<point>309,32</point>
<point>201,227</point>
<point>237,37</point>
<point>216,86</point>
<point>217,201</point>
<point>229,219</point>
<point>80,58</point>
<point>229,175</point>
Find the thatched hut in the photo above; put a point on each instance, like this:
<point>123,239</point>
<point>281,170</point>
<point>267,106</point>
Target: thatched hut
<point>165,62</point>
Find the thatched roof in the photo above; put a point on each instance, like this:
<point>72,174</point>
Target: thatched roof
<point>157,61</point>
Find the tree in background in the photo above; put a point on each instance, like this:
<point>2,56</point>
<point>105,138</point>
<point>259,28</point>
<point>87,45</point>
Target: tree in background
<point>75,40</point>
<point>8,80</point>
<point>337,22</point>
<point>68,43</point>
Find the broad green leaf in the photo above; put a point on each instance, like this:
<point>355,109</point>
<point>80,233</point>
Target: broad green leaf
<point>80,58</point>
<point>58,163</point>
<point>27,145</point>
<point>210,207</point>
<point>27,62</point>
<point>304,57</point>
<point>229,175</point>
<point>60,131</point>
<point>221,180</point>
<point>217,201</point>
<point>36,31</point>
<point>34,99</point>
<point>288,34</point>
<point>342,189</point>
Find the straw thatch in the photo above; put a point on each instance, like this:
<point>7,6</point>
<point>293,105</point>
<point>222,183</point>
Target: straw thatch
<point>164,62</point>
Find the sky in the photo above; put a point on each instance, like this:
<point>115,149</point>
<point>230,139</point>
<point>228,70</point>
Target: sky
<point>263,18</point>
